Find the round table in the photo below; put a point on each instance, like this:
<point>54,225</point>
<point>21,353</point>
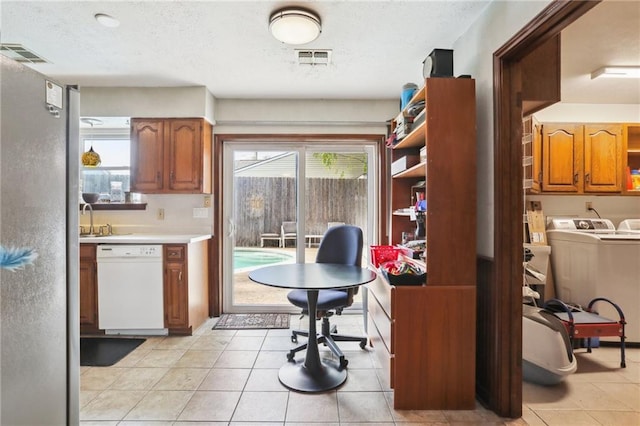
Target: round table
<point>312,374</point>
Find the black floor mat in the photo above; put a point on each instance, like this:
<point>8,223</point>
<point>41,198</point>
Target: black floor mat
<point>105,351</point>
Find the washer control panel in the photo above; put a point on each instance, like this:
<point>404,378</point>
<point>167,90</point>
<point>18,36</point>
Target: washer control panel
<point>583,225</point>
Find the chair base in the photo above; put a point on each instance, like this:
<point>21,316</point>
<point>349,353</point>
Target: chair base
<point>297,377</point>
<point>328,337</point>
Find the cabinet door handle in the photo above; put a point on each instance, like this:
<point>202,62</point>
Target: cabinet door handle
<point>172,177</point>
<point>587,177</point>
<point>575,178</point>
<point>158,177</point>
<point>180,276</point>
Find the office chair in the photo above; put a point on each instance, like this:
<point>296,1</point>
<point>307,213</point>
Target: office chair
<point>342,245</point>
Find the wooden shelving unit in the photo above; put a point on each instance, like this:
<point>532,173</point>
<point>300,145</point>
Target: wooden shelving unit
<point>412,172</point>
<point>424,336</point>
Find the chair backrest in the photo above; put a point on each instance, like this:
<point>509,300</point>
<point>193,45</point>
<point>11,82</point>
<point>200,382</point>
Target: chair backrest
<point>341,244</point>
<point>289,227</point>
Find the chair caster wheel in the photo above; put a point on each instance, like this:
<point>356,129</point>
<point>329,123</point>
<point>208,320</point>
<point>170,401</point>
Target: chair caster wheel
<point>290,357</point>
<point>294,339</point>
<point>343,364</point>
<point>363,345</point>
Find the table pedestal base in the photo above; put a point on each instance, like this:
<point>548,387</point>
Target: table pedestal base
<point>296,376</point>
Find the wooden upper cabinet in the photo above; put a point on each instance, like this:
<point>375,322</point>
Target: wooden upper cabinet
<point>603,158</point>
<point>147,155</point>
<point>582,158</point>
<point>532,154</point>
<point>630,156</point>
<point>171,155</point>
<point>562,157</point>
<point>536,165</point>
<point>541,76</point>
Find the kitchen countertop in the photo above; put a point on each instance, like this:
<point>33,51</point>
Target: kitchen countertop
<point>146,239</point>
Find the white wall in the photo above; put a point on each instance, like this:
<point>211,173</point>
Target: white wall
<point>178,216</point>
<point>590,113</point>
<point>195,101</point>
<point>304,116</point>
<point>615,208</point>
<point>473,54</point>
<point>244,116</point>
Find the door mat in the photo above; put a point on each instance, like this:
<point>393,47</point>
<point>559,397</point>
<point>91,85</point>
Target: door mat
<point>105,351</point>
<point>251,321</point>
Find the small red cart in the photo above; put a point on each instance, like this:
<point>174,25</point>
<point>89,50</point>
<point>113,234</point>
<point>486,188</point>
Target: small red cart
<point>586,323</point>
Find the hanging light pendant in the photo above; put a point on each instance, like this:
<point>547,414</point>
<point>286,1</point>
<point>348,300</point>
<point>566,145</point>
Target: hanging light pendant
<point>91,158</point>
<point>294,25</point>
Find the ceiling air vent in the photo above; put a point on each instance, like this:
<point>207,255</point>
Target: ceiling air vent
<point>313,57</point>
<point>19,53</point>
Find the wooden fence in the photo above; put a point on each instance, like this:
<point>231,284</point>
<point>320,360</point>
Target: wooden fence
<point>263,203</point>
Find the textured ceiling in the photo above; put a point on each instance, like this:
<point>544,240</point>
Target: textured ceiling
<point>226,46</point>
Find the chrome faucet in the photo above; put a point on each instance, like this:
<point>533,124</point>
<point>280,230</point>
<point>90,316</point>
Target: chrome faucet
<point>90,216</point>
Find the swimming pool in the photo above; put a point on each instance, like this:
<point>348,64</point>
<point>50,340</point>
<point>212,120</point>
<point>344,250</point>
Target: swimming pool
<point>245,259</point>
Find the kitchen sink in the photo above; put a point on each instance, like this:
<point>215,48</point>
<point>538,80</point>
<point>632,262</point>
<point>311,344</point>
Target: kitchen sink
<point>83,235</point>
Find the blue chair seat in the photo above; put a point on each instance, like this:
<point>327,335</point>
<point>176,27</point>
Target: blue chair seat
<point>327,299</point>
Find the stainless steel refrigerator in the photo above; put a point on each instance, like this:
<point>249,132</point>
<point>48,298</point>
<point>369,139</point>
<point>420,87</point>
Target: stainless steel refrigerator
<point>39,328</point>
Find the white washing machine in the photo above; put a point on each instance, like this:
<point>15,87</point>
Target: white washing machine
<point>590,258</point>
<point>629,226</point>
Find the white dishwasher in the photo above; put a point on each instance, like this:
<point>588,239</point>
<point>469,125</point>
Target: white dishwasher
<point>130,290</point>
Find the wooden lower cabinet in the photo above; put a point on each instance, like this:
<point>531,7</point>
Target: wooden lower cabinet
<point>88,289</point>
<point>424,341</point>
<point>186,282</point>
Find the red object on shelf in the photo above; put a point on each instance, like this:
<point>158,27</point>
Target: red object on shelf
<point>381,254</point>
<point>629,179</point>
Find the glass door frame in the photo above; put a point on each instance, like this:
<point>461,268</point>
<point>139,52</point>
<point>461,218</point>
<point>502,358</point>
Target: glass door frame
<point>301,146</point>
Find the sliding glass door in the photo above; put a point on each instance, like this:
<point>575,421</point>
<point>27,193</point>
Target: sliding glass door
<point>279,202</point>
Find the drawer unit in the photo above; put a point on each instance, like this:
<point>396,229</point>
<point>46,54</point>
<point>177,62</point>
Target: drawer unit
<point>88,252</point>
<point>421,337</point>
<point>175,252</point>
<point>381,321</point>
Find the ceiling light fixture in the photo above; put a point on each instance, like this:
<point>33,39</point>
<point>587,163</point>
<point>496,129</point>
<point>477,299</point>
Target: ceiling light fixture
<point>617,72</point>
<point>107,20</point>
<point>91,121</point>
<point>294,25</point>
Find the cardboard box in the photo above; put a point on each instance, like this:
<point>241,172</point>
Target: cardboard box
<point>535,224</point>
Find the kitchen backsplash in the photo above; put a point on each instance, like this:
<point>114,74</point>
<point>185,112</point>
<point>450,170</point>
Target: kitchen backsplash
<point>177,212</point>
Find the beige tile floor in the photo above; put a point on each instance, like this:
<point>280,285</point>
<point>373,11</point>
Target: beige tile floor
<point>228,377</point>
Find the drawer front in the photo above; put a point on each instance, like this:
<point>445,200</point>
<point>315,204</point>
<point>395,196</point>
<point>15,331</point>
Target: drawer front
<point>384,359</point>
<point>175,252</point>
<point>383,324</point>
<point>381,290</point>
<point>87,251</point>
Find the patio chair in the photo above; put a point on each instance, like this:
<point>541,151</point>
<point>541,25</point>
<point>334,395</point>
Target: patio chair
<point>270,236</point>
<point>288,232</point>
